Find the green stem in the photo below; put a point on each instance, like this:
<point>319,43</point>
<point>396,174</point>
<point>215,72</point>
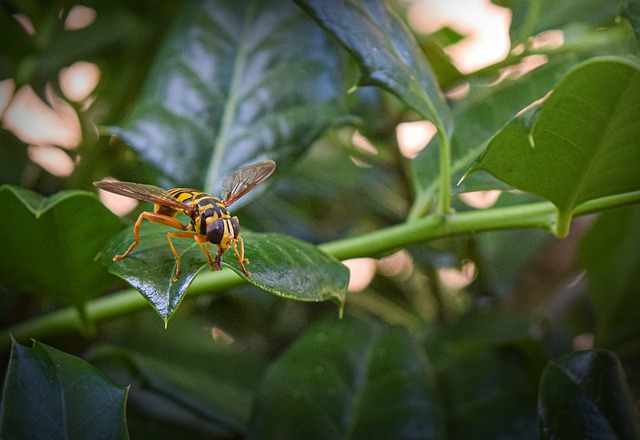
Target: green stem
<point>445,172</point>
<point>425,196</point>
<point>421,205</point>
<point>87,325</point>
<point>535,215</point>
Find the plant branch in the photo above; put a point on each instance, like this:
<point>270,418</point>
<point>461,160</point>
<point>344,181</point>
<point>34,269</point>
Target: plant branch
<point>425,196</point>
<point>534,215</point>
<point>444,207</point>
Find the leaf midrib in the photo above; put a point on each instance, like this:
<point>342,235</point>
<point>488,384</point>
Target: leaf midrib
<point>240,62</point>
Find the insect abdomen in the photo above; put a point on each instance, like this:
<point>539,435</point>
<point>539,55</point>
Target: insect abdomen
<point>182,195</point>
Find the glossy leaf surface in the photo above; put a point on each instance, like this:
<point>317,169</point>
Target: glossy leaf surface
<point>348,379</point>
<point>582,143</point>
<point>50,244</point>
<point>386,52</point>
<point>51,394</point>
<point>280,265</point>
<point>235,82</point>
<point>584,395</point>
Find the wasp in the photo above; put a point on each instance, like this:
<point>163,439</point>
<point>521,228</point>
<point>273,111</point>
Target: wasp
<point>209,219</point>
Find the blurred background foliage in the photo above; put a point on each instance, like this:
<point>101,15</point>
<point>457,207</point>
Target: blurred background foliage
<point>477,317</point>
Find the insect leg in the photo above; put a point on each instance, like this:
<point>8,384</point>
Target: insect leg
<point>200,239</point>
<point>240,254</point>
<point>217,263</point>
<point>152,217</point>
<point>173,249</point>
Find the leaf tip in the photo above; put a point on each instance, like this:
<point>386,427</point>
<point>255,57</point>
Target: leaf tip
<point>470,170</point>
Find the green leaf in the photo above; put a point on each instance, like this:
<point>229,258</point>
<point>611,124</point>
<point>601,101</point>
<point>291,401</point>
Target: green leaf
<point>50,244</point>
<point>348,379</point>
<point>280,265</point>
<point>584,395</point>
<point>485,110</point>
<point>234,82</point>
<point>386,51</point>
<point>581,144</point>
<point>50,394</point>
<point>611,259</point>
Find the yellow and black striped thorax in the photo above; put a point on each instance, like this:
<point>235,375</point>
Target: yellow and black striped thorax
<point>211,218</point>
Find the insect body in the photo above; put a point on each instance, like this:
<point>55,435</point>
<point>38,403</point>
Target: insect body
<point>209,219</point>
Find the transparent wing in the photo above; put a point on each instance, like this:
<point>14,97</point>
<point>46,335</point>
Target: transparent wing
<point>244,179</point>
<point>141,191</point>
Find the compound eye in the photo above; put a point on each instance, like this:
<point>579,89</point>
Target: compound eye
<point>215,231</point>
<point>236,227</point>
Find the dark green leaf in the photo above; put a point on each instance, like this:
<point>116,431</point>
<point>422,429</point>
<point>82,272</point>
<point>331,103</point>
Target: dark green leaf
<point>151,266</point>
<point>279,264</point>
<point>385,50</point>
<point>584,395</point>
<point>291,268</point>
<point>234,81</point>
<point>348,379</point>
<point>581,144</point>
<point>50,394</point>
<point>611,259</point>
<point>50,244</point>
